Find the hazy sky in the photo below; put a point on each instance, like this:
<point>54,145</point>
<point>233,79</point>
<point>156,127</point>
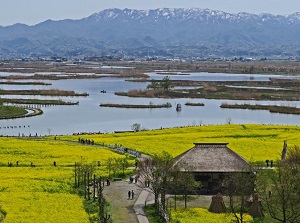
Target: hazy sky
<point>34,11</point>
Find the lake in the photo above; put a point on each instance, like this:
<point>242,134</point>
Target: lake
<point>88,116</point>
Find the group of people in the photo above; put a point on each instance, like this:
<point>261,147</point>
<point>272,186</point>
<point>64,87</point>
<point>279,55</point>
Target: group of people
<point>9,164</point>
<point>86,141</point>
<point>130,195</point>
<point>133,178</point>
<point>124,150</point>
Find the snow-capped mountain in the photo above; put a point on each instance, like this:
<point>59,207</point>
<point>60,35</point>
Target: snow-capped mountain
<point>205,30</point>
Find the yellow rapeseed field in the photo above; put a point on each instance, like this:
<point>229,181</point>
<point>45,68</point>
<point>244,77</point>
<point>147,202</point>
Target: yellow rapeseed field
<point>256,143</point>
<point>201,215</point>
<point>44,193</point>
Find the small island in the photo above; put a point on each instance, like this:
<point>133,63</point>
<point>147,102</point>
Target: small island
<point>270,108</point>
<point>167,105</point>
<point>24,83</point>
<point>194,104</point>
<point>51,92</point>
<point>12,112</point>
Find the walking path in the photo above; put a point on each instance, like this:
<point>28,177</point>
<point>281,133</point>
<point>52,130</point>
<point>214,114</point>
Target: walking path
<point>131,209</point>
<point>143,199</point>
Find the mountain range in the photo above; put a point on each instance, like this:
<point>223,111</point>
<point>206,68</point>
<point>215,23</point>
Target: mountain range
<point>178,32</point>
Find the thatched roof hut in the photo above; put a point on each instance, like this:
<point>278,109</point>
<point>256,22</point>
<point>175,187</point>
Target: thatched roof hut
<point>211,163</point>
<point>213,157</point>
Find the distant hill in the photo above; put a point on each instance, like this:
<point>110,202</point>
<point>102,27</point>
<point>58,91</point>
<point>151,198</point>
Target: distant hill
<point>160,32</point>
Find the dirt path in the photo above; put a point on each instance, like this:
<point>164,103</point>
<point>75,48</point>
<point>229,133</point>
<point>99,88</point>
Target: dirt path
<point>121,207</point>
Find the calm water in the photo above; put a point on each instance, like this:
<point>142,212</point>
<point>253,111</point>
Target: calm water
<point>88,116</point>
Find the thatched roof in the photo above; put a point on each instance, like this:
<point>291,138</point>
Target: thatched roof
<point>213,157</point>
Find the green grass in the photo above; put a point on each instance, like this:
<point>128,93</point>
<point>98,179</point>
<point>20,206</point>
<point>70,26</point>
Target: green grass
<point>11,111</point>
<point>152,214</point>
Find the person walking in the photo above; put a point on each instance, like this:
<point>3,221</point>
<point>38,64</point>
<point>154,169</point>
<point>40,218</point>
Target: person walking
<point>132,195</point>
<point>129,194</point>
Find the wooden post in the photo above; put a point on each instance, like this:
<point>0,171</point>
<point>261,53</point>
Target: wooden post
<point>84,185</point>
<point>88,185</point>
<point>75,175</point>
<point>78,175</point>
<point>94,187</point>
<point>170,212</point>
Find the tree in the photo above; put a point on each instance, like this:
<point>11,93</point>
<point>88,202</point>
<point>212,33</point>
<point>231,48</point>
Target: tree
<point>103,216</point>
<point>109,164</point>
<point>184,181</point>
<point>49,130</point>
<point>136,127</point>
<point>166,83</point>
<point>281,188</point>
<point>239,186</point>
<point>293,155</point>
<point>228,120</point>
<point>153,85</point>
<point>164,163</point>
<point>156,173</point>
<point>147,172</point>
<point>123,163</point>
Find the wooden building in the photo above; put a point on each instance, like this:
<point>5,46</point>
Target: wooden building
<point>211,163</point>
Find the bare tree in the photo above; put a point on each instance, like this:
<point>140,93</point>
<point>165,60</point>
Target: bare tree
<point>103,216</point>
<point>228,120</point>
<point>155,173</point>
<point>49,130</point>
<point>239,186</point>
<point>148,175</point>
<point>281,188</point>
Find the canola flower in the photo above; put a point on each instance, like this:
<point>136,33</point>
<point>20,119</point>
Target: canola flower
<point>255,143</point>
<point>201,215</point>
<point>45,193</point>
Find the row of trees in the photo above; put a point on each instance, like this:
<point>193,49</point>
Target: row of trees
<point>91,187</point>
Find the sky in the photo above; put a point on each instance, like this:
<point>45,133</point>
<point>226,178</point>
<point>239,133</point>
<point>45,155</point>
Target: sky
<point>31,12</point>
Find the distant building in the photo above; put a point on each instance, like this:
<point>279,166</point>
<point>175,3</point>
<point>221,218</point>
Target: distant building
<point>211,163</point>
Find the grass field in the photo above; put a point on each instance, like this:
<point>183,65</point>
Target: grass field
<point>256,143</point>
<point>44,193</point>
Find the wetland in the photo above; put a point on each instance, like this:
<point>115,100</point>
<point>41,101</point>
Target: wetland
<point>115,85</point>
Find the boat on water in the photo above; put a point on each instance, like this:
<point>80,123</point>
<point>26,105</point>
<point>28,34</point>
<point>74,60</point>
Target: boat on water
<point>178,107</point>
